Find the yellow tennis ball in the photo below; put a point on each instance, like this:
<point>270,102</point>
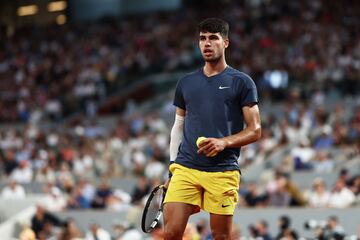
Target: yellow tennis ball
<point>199,140</point>
<point>213,155</point>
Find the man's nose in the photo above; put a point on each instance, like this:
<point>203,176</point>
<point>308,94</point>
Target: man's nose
<point>207,42</point>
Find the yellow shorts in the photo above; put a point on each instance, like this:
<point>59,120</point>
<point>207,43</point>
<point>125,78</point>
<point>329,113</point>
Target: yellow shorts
<point>214,192</point>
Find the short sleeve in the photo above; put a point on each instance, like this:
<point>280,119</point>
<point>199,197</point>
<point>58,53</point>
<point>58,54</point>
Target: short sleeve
<point>179,97</point>
<point>249,91</point>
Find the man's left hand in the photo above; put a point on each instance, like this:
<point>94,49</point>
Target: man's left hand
<point>211,146</point>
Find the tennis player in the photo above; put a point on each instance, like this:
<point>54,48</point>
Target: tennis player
<point>213,102</point>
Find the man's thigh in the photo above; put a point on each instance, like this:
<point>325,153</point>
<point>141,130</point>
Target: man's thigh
<point>221,192</point>
<point>184,187</point>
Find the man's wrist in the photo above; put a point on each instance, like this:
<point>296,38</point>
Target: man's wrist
<point>226,142</point>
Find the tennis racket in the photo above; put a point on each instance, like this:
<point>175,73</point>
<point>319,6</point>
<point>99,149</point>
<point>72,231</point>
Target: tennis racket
<point>153,209</point>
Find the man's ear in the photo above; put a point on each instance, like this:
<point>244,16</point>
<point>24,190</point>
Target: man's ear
<point>226,42</point>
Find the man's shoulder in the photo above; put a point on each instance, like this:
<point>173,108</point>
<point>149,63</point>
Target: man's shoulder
<point>238,75</point>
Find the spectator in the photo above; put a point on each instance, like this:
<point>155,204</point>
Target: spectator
<point>302,155</point>
<point>45,174</point>
<point>65,178</point>
<point>70,231</point>
<point>42,222</point>
<point>280,197</point>
<point>13,191</point>
<point>334,229</point>
<point>119,201</point>
<point>202,227</point>
<point>141,190</point>
<point>119,228</point>
<point>154,169</point>
<point>23,173</point>
<point>325,140</point>
<point>323,164</point>
<point>297,196</point>
<point>97,233</point>
<point>252,197</point>
<point>10,163</point>
<point>285,231</point>
<point>102,194</point>
<point>344,175</point>
<point>341,196</point>
<point>355,185</point>
<point>131,233</point>
<point>87,189</point>
<point>319,197</point>
<point>56,202</point>
<point>77,200</point>
<point>262,230</point>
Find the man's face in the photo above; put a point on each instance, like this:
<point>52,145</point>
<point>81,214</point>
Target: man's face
<point>212,46</point>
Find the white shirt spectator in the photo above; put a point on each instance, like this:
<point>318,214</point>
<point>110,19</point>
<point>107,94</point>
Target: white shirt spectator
<point>23,173</point>
<point>83,164</point>
<point>303,152</point>
<point>154,169</point>
<point>319,200</point>
<point>101,234</point>
<point>55,200</point>
<point>341,197</point>
<point>319,197</point>
<point>119,201</point>
<point>139,157</point>
<point>45,174</point>
<point>13,191</point>
<point>10,140</point>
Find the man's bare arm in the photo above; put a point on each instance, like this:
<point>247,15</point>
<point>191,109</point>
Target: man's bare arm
<point>251,133</point>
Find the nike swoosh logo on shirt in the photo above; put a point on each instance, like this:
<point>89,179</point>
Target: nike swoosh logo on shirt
<point>221,87</point>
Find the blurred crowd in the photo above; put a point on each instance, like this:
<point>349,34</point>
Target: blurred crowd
<point>70,158</point>
<point>75,163</point>
<point>49,73</point>
<point>47,226</point>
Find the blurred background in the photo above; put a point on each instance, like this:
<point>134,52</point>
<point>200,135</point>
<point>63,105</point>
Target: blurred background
<point>86,89</point>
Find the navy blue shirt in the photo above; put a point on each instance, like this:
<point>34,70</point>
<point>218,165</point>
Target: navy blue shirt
<point>213,108</point>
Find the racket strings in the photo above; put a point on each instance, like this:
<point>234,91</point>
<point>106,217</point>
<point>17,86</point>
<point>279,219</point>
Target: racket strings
<point>153,211</point>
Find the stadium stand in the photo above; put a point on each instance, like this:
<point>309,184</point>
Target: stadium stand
<point>97,169</point>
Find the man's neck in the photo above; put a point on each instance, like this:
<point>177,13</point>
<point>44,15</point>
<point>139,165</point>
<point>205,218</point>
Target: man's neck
<point>213,68</point>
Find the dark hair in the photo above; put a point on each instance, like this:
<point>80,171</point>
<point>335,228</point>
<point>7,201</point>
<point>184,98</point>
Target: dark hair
<point>285,222</point>
<point>333,218</point>
<point>214,25</point>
